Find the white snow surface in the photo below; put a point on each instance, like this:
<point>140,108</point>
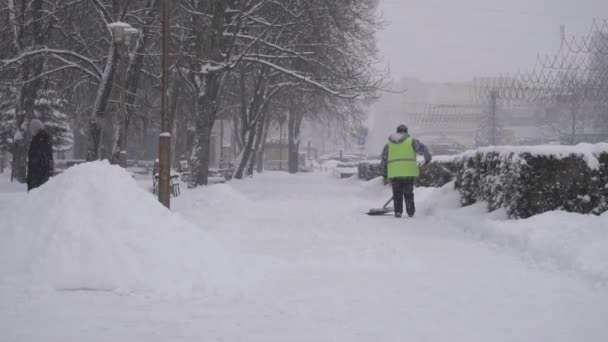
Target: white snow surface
<point>557,239</point>
<point>311,266</point>
<point>94,228</point>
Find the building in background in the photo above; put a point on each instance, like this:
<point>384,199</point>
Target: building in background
<point>449,118</point>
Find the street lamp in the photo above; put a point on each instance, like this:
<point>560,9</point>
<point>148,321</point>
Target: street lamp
<point>121,36</point>
<point>118,31</point>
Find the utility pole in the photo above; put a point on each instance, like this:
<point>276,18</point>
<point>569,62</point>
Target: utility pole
<point>280,145</point>
<point>164,148</point>
<point>493,123</point>
<point>221,144</point>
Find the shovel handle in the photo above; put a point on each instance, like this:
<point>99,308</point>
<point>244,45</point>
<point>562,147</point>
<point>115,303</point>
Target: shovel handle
<point>388,202</point>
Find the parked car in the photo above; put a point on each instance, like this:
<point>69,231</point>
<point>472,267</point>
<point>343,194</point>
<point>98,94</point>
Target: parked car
<point>345,170</point>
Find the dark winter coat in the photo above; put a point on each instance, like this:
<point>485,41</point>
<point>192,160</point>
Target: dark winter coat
<point>40,160</point>
<point>397,138</point>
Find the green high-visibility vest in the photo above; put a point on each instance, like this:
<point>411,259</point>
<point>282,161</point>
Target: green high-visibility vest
<point>402,160</point>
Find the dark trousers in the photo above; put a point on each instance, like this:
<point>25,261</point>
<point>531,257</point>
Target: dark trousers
<point>403,189</point>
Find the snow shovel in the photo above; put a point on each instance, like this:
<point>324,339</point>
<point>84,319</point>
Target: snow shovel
<point>382,211</point>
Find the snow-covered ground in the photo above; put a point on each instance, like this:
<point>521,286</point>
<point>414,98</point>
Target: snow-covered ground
<point>289,258</point>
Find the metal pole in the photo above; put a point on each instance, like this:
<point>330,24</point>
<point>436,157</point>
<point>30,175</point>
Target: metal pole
<point>281,145</point>
<point>221,144</point>
<point>493,124</point>
<point>164,188</point>
<point>309,150</point>
<point>123,105</point>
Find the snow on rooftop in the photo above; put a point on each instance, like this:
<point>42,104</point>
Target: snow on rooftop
<point>93,227</point>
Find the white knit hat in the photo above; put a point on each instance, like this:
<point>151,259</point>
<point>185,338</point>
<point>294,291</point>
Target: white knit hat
<point>36,126</point>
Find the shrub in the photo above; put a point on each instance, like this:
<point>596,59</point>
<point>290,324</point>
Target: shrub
<point>532,180</point>
<point>524,180</point>
<point>368,170</point>
<point>434,174</point>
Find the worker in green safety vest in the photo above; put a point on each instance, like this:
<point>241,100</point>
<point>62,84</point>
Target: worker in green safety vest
<point>401,168</point>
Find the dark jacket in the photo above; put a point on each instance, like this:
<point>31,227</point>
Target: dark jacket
<point>397,138</point>
<point>40,160</point>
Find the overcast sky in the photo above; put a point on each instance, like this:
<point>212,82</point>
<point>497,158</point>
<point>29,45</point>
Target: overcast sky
<point>456,40</point>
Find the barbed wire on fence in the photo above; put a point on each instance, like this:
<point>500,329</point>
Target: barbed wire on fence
<point>574,77</point>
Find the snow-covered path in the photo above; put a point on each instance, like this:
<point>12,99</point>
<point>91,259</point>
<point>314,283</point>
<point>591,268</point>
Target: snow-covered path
<point>312,267</point>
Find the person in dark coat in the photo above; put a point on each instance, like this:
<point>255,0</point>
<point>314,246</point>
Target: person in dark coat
<point>40,156</point>
<point>399,165</point>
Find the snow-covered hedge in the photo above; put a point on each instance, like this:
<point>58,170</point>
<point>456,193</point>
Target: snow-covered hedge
<point>532,180</point>
<point>525,180</point>
<point>435,174</point>
<point>369,170</point>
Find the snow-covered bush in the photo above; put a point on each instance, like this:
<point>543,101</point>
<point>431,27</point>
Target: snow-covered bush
<point>435,174</point>
<point>369,170</point>
<point>532,180</point>
<point>525,180</point>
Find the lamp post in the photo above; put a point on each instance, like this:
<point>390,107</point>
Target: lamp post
<point>121,36</point>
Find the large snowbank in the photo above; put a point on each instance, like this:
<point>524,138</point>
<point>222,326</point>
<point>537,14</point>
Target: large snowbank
<point>570,241</point>
<point>94,228</point>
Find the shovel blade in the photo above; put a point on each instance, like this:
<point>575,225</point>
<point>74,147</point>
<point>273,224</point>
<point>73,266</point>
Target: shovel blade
<point>380,211</point>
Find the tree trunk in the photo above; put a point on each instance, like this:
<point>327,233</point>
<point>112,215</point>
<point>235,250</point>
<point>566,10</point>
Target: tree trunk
<point>174,108</point>
<point>19,147</point>
<point>294,124</point>
<point>262,147</point>
<point>257,146</point>
<point>26,107</point>
<point>245,154</point>
<point>111,125</point>
<point>202,152</point>
<point>209,44</point>
<point>181,136</point>
<point>100,105</point>
<point>19,169</point>
<point>144,133</point>
<point>134,71</point>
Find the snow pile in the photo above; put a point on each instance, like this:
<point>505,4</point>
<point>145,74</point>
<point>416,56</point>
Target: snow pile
<point>569,241</point>
<point>432,201</point>
<point>94,228</point>
<point>217,197</point>
<point>572,241</point>
<point>375,187</point>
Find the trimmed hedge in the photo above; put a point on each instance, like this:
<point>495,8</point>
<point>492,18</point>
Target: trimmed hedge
<point>435,174</point>
<point>369,170</point>
<point>530,181</point>
<point>526,181</point>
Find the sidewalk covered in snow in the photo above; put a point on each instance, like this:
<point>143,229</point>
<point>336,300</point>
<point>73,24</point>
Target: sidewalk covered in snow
<point>91,256</point>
